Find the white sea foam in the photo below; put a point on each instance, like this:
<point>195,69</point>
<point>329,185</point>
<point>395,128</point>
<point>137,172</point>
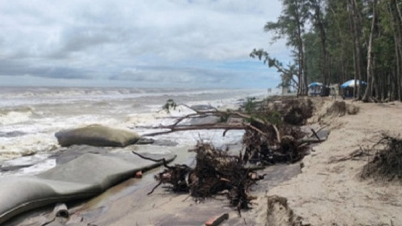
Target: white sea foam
<point>38,163</point>
<point>30,117</point>
<point>38,167</point>
<point>25,145</point>
<point>14,117</point>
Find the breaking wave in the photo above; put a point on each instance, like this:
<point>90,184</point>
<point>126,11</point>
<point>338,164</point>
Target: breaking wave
<point>29,117</point>
<point>18,115</point>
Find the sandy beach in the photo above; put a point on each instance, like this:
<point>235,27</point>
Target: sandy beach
<point>325,188</point>
<point>214,113</point>
<point>329,190</point>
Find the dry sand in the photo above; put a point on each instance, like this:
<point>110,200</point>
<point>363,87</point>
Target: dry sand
<point>327,192</point>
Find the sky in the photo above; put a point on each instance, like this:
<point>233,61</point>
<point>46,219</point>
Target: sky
<point>137,43</point>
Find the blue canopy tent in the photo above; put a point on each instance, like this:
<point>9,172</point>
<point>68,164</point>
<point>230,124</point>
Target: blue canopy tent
<point>315,88</point>
<point>314,84</point>
<point>350,85</point>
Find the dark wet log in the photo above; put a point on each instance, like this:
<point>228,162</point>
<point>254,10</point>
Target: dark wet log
<point>175,128</point>
<point>151,159</point>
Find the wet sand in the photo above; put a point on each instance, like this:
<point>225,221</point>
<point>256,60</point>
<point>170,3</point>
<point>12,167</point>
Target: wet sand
<point>128,203</point>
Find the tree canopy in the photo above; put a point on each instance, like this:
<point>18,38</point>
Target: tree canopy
<point>334,41</point>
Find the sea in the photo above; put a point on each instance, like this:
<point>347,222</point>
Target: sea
<point>30,116</point>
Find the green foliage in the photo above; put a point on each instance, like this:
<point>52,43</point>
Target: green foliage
<point>313,56</point>
<point>271,117</point>
<point>251,108</point>
<point>291,26</point>
<point>274,117</point>
<point>250,105</point>
<point>169,105</point>
<point>329,39</point>
<point>224,118</point>
<point>287,73</point>
<point>290,23</point>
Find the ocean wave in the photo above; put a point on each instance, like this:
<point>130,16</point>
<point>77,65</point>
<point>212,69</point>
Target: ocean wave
<point>28,124</point>
<point>15,133</point>
<point>16,115</point>
<point>13,147</point>
<point>29,92</point>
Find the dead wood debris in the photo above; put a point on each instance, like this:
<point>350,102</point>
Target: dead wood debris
<point>294,111</point>
<point>356,155</point>
<point>216,171</point>
<point>269,150</point>
<point>387,162</point>
<point>268,139</point>
<point>271,129</point>
<point>297,112</point>
<point>281,140</point>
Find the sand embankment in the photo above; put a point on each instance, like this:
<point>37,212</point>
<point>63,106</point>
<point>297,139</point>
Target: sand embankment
<point>329,190</point>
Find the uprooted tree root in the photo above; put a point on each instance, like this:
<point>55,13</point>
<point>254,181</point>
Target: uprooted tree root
<point>284,147</point>
<point>216,171</point>
<point>294,111</point>
<point>297,112</point>
<point>271,136</point>
<point>279,142</point>
<point>271,130</point>
<point>387,162</point>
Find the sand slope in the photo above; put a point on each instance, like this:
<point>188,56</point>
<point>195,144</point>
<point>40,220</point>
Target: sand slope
<point>329,191</point>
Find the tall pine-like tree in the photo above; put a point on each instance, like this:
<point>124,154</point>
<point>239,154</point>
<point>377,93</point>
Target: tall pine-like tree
<point>341,40</point>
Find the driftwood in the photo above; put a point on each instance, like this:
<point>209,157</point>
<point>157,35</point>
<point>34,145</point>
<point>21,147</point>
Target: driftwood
<point>359,154</point>
<point>175,127</point>
<point>315,134</point>
<point>215,172</point>
<point>386,165</point>
<point>171,175</point>
<point>209,126</point>
<point>264,142</point>
<point>267,150</point>
<point>267,140</point>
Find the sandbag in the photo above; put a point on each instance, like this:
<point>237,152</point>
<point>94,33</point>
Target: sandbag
<point>97,135</point>
<point>83,177</point>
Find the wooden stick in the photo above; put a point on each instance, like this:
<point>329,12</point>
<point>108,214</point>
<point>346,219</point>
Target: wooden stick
<point>154,160</point>
<point>278,135</point>
<point>153,189</point>
<point>315,134</point>
<point>196,127</point>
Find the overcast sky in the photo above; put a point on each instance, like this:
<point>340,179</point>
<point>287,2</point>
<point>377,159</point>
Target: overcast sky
<point>140,43</point>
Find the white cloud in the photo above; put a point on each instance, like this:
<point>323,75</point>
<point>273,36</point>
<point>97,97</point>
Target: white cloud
<point>101,38</point>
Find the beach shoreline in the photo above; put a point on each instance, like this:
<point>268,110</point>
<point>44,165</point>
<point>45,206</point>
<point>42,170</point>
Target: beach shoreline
<point>322,187</point>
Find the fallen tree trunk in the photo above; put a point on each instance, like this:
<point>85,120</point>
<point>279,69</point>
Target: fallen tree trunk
<point>225,127</point>
<point>175,127</point>
<point>264,142</point>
